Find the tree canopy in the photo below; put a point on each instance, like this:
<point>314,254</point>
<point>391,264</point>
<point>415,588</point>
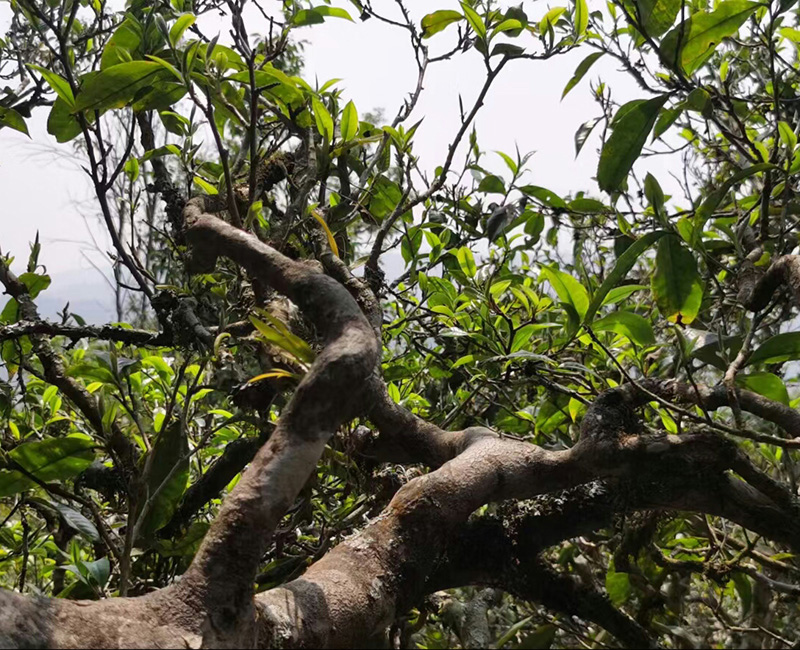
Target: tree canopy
<point>567,419</point>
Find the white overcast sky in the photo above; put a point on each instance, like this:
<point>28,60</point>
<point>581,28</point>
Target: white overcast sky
<point>44,189</point>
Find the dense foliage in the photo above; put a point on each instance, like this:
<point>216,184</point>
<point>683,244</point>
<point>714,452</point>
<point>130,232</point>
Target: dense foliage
<point>514,310</point>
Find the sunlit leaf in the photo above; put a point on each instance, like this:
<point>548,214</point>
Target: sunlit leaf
<point>766,384</point>
<point>52,459</point>
<point>323,119</point>
<point>124,44</point>
<point>57,83</point>
<point>349,125</point>
<point>693,43</point>
<point>657,16</point>
<point>328,233</point>
<point>474,19</point>
<point>636,328</point>
<point>181,25</point>
<point>568,289</point>
<point>116,86</point>
<point>466,261</point>
<point>438,20</point>
<point>581,17</point>
<point>278,334</point>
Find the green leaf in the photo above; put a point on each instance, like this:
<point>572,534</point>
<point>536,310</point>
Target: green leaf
<point>580,71</point>
<point>165,478</point>
<point>703,32</point>
<point>549,198</point>
<point>124,44</point>
<point>618,586</point>
<point>766,384</point>
<point>534,226</point>
<point>438,20</point>
<point>657,16</point>
<point>508,25</point>
<point>509,161</point>
<point>204,185</point>
<point>323,119</point>
<point>205,52</point>
<point>183,23</point>
<point>588,206</point>
<point>9,117</point>
<point>512,632</point>
<point>74,520</point>
<point>521,339</point>
<point>174,122</point>
<point>163,95</point>
<point>466,261</point>
<point>61,123</point>
<point>275,83</point>
<point>266,76</point>
<point>706,209</point>
<point>468,358</point>
<point>676,282</point>
<point>492,184</point>
<point>317,15</point>
<point>581,17</point>
<point>699,100</point>
<point>35,283</point>
<point>474,19</point>
<point>620,293</point>
<point>568,289</point>
<point>307,17</point>
<point>624,264</point>
<point>116,86</point>
<point>777,349</point>
<point>385,195</point>
<point>409,246</point>
<point>630,129</point>
<point>508,49</point>
<point>10,313</point>
<point>787,135</point>
<point>550,19</point>
<point>167,66</point>
<point>712,353</point>
<point>666,118</point>
<point>53,459</point>
<point>636,328</point>
<point>131,168</point>
<point>334,12</point>
<point>744,590</point>
<point>56,82</point>
<point>99,570</point>
<point>278,333</point>
<point>552,414</point>
<point>349,125</point>
<point>654,194</point>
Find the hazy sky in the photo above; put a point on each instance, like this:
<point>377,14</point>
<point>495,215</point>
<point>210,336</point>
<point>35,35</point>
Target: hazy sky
<point>44,188</point>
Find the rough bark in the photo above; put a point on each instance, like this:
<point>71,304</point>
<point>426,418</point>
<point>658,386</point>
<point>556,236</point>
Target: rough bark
<point>758,285</point>
<point>357,589</point>
<point>361,584</point>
